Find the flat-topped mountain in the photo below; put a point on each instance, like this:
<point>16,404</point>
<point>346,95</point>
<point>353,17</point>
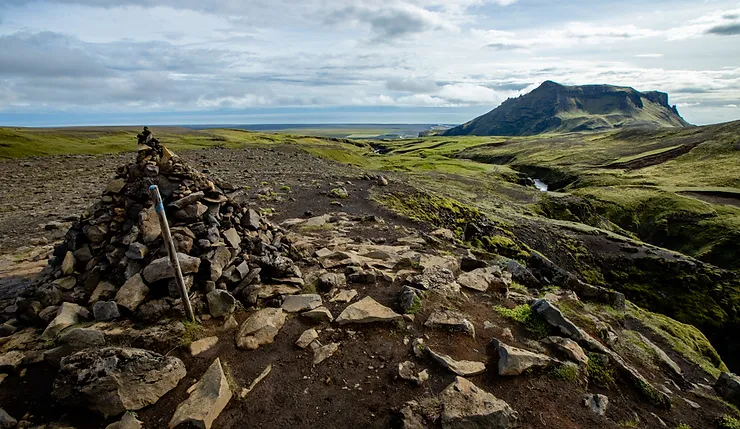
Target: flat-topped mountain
<point>553,107</point>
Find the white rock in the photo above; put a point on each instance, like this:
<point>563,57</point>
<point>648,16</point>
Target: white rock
<point>208,397</point>
<point>261,328</point>
<point>306,338</point>
<point>367,310</point>
<point>202,345</point>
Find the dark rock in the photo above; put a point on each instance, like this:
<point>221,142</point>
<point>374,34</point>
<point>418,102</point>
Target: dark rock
<point>728,387</point>
<point>105,311</point>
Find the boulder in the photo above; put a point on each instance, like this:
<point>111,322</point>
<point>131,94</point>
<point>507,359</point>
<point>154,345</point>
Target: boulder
<point>481,279</point>
<point>6,421</point>
<point>298,303</point>
<point>307,337</point>
<point>555,317</point>
<point>68,314</point>
<point>728,387</point>
<point>128,421</point>
<point>113,380</point>
<point>208,398</point>
<point>187,200</point>
<point>11,360</point>
<point>82,338</point>
<point>160,269</point>
<point>465,368</point>
<point>567,348</point>
<point>137,251</point>
<point>514,361</point>
<point>261,328</point>
<point>251,220</point>
<point>344,295</point>
<point>115,186</point>
<point>104,291</point>
<point>220,303</point>
<point>436,278</point>
<point>367,310</point>
<point>132,293</point>
<point>409,299</point>
<point>232,238</point>
<point>466,406</point>
<point>451,320</point>
<point>149,225</point>
<point>329,281</point>
<point>598,404</point>
<point>105,311</point>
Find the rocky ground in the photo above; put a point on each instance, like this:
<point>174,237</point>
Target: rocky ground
<point>375,321</point>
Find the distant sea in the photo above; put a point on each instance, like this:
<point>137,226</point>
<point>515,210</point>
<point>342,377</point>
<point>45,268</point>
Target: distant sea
<point>355,131</point>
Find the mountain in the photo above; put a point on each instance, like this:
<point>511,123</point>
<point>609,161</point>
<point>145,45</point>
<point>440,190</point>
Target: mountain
<point>553,107</point>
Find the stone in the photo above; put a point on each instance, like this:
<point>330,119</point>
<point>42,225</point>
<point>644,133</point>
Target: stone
<point>407,371</point>
<point>115,186</point>
<point>137,251</point>
<point>340,193</point>
<point>409,299</point>
<point>187,200</point>
<point>514,361</point>
<point>555,317</point>
<point>344,295</point>
<point>481,279</point>
<point>470,263</point>
<point>323,353</point>
<point>105,311</point>
<point>6,421</point>
<point>173,289</point>
<point>728,387</point>
<point>66,283</point>
<point>382,180</point>
<point>191,213</point>
<point>202,345</point>
<point>232,238</point>
<point>329,281</point>
<point>230,323</point>
<point>271,291</point>
<point>362,277</point>
<point>261,328</point>
<point>251,220</point>
<point>112,380</point>
<point>598,404</point>
<point>160,269</point>
<point>567,348</point>
<point>692,404</point>
<point>466,406</point>
<point>436,278</point>
<point>367,310</point>
<point>11,360</point>
<point>465,368</point>
<point>307,337</point>
<point>82,338</point>
<point>128,421</point>
<point>83,254</point>
<point>661,355</point>
<point>68,264</point>
<point>299,303</point>
<point>218,259</point>
<point>96,233</point>
<point>149,225</point>
<point>316,221</point>
<point>132,293</point>
<point>451,320</point>
<point>208,398</point>
<point>444,233</point>
<point>103,291</point>
<point>68,314</point>
<point>319,314</point>
<point>220,303</point>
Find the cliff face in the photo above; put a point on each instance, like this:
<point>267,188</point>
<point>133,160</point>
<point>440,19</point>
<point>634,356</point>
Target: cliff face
<point>558,108</point>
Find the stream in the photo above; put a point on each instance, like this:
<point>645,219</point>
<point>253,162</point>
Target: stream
<point>540,185</point>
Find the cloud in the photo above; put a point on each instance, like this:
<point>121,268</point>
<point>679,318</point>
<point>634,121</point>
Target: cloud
<point>725,30</point>
<point>411,85</point>
<point>387,23</point>
<point>649,55</point>
<point>46,54</point>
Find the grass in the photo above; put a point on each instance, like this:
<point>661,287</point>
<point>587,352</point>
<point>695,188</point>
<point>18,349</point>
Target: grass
<point>568,371</point>
<point>533,322</point>
<point>415,307</point>
<point>600,372</point>
<point>728,422</point>
<point>191,333</point>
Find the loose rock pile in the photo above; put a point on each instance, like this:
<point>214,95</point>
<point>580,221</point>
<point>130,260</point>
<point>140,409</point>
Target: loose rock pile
<point>113,262</point>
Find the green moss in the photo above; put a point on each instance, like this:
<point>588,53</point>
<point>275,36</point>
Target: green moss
<point>415,307</point>
<point>532,321</point>
<point>309,288</point>
<point>191,333</point>
<point>683,426</point>
<point>634,423</point>
<point>566,372</point>
<point>728,422</point>
<point>340,193</point>
<point>652,394</point>
<point>600,372</point>
<point>285,188</point>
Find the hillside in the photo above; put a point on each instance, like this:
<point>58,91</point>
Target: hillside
<point>553,107</point>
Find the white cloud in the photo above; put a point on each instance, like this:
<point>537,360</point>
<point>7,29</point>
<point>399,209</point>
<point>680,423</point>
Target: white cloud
<point>649,55</point>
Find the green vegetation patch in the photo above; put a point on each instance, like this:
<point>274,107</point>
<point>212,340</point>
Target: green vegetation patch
<point>566,372</point>
<point>728,422</point>
<point>600,371</point>
<point>533,322</point>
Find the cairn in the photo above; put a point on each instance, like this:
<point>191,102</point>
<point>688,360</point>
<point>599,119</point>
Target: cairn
<point>113,261</point>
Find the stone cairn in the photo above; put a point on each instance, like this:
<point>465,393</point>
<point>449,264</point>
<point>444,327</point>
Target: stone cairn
<point>113,262</point>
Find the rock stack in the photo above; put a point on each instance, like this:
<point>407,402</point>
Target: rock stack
<point>113,262</point>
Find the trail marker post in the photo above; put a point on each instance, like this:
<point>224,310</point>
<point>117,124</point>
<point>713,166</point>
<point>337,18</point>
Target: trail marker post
<point>171,250</point>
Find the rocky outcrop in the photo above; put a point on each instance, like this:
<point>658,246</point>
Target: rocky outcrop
<point>208,397</point>
<point>515,361</point>
<point>113,380</point>
<point>597,403</point>
<point>728,387</point>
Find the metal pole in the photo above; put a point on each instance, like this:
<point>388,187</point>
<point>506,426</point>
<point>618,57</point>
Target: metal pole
<point>171,251</point>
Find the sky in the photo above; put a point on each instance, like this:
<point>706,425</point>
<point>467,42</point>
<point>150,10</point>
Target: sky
<point>115,62</point>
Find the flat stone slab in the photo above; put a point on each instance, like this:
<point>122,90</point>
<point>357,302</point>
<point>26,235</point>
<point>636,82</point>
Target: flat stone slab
<point>466,406</point>
<point>514,361</point>
<point>203,345</point>
<point>367,310</point>
<point>450,320</point>
<point>465,368</point>
<point>208,397</point>
<point>298,303</point>
<point>306,338</point>
<point>261,328</point>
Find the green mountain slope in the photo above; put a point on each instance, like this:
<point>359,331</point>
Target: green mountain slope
<point>558,108</point>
